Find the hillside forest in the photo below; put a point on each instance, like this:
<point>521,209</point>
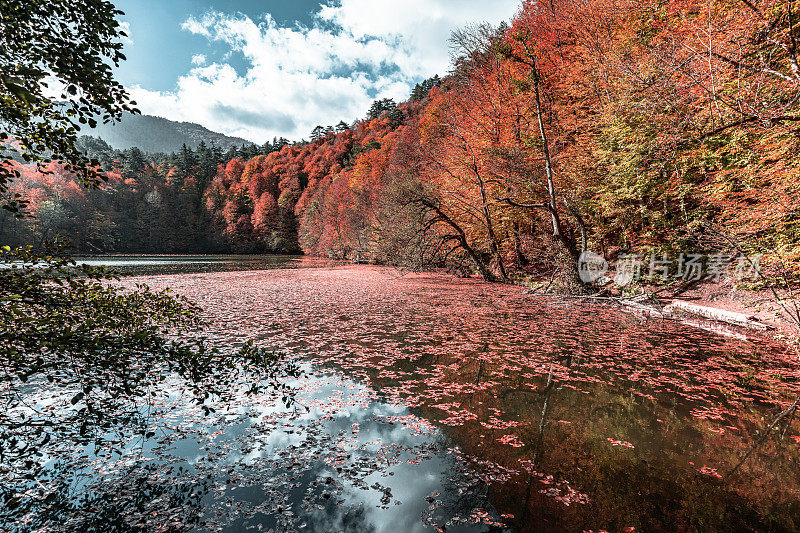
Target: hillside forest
<point>608,125</point>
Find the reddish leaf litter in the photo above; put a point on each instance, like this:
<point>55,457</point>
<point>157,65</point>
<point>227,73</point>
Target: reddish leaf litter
<point>552,414</point>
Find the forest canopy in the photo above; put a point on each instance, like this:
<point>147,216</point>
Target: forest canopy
<point>613,126</point>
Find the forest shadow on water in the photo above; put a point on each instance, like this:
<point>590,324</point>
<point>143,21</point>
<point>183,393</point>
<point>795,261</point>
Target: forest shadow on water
<point>438,404</point>
<point>152,265</point>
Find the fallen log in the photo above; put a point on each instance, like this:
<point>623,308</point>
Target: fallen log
<point>713,313</point>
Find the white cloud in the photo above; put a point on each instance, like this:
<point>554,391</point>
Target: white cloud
<point>126,28</point>
<point>298,77</point>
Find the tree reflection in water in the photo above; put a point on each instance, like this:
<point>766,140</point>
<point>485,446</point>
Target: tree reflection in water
<point>140,499</point>
<point>641,418</point>
<point>473,406</point>
<point>337,460</point>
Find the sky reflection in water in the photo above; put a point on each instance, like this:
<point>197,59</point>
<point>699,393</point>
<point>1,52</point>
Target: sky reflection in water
<point>336,461</point>
<point>484,405</point>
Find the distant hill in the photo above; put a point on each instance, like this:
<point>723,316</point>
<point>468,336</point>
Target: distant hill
<point>156,134</point>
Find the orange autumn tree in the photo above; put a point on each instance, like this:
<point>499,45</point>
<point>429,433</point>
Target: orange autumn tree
<point>613,125</point>
<point>697,94</point>
<point>459,132</point>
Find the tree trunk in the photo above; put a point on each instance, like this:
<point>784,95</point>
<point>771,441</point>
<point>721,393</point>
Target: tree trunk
<point>461,237</point>
<point>489,226</point>
<point>521,259</point>
<point>558,231</point>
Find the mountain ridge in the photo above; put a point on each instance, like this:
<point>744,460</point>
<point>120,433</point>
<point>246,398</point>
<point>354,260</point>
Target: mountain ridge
<point>153,134</point>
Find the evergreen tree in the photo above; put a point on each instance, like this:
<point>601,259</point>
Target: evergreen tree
<point>379,107</point>
<point>134,163</point>
<point>206,164</point>
<point>422,90</point>
<point>317,133</point>
<point>396,117</point>
<point>185,165</point>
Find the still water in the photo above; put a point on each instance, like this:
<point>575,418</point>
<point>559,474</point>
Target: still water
<point>439,404</point>
<point>186,264</point>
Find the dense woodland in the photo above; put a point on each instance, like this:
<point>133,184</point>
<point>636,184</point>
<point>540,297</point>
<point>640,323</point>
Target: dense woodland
<point>615,126</point>
<point>612,125</point>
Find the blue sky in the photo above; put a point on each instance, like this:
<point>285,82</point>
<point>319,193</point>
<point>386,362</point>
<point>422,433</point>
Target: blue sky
<point>161,41</point>
<point>264,68</point>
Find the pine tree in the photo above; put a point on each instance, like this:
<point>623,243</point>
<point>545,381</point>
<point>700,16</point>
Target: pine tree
<point>379,107</point>
<point>317,133</point>
<point>134,163</point>
<point>206,163</point>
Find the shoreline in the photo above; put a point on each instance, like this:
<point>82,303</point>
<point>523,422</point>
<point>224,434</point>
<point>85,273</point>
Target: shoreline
<point>718,307</point>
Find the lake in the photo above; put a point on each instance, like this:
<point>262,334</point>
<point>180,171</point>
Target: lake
<point>187,264</point>
<point>432,403</point>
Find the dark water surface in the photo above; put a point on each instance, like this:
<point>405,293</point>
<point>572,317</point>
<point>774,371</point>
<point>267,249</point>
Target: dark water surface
<point>145,265</point>
<point>438,404</point>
